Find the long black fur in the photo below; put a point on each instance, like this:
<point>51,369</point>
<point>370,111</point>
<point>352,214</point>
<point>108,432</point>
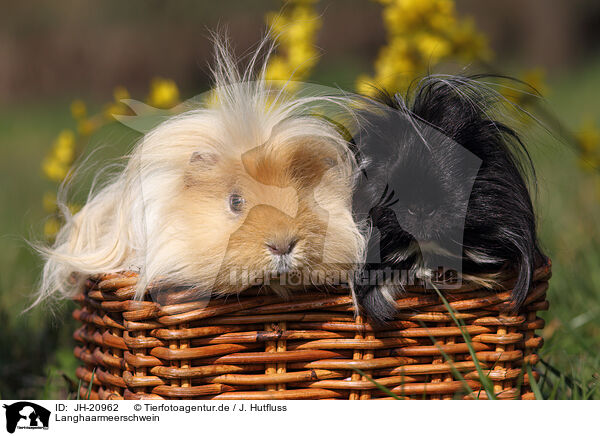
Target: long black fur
<point>500,225</point>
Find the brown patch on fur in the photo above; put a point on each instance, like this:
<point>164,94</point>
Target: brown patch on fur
<point>309,163</point>
<point>301,163</point>
<point>265,167</point>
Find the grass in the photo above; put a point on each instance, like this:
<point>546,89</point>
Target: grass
<point>37,361</point>
<point>378,385</point>
<point>569,207</point>
<point>487,384</point>
<point>36,346</point>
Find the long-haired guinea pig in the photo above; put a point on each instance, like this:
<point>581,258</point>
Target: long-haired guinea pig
<point>251,185</point>
<point>445,189</point>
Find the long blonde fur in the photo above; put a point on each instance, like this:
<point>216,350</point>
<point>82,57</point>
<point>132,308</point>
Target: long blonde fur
<point>131,223</point>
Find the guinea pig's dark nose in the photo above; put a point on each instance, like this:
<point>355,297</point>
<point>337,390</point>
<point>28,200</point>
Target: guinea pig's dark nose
<point>282,247</point>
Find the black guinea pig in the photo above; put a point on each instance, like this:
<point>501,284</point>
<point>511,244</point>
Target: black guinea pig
<point>444,185</point>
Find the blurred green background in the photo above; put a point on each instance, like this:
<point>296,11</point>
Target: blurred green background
<point>53,53</point>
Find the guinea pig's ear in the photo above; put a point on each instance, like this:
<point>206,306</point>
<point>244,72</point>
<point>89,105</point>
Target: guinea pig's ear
<point>204,159</point>
<point>200,161</point>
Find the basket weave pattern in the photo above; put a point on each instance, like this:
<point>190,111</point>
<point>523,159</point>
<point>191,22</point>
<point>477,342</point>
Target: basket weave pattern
<point>261,347</point>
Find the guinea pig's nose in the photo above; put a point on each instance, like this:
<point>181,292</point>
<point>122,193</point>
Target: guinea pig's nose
<point>428,209</point>
<point>282,247</point>
<point>421,210</point>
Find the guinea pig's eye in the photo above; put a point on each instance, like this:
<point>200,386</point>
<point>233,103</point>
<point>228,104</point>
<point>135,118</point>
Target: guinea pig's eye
<point>236,202</point>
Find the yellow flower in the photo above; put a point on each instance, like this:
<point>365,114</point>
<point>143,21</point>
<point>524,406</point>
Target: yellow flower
<point>523,94</point>
<point>365,85</point>
<point>422,33</point>
<point>54,170</point>
<point>589,137</point>
<point>120,93</point>
<point>164,93</point>
<point>78,109</point>
<point>443,21</point>
<point>409,16</point>
<point>276,23</point>
<point>468,44</point>
<point>64,148</point>
<point>112,109</point>
<point>56,165</point>
<point>536,79</point>
<point>304,22</point>
<point>49,201</point>
<point>433,47</point>
<point>396,65</point>
<point>301,59</point>
<point>295,31</point>
<point>278,69</point>
<point>86,127</point>
<point>66,138</point>
<point>73,208</point>
<point>51,227</point>
<point>589,163</point>
<point>64,155</point>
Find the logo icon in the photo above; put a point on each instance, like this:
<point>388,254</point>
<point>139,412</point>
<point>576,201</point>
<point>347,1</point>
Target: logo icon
<point>26,415</point>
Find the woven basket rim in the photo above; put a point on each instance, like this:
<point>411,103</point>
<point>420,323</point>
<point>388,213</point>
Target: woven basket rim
<point>123,279</point>
<point>307,347</point>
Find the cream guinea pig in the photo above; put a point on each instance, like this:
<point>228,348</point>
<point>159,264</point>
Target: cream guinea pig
<point>253,182</point>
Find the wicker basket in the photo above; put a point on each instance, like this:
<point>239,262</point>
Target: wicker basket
<point>263,348</point>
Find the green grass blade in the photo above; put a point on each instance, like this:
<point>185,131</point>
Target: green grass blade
<point>378,385</point>
<point>46,391</point>
<point>485,381</point>
<point>534,385</point>
<point>453,369</point>
<point>78,390</point>
<point>89,392</point>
